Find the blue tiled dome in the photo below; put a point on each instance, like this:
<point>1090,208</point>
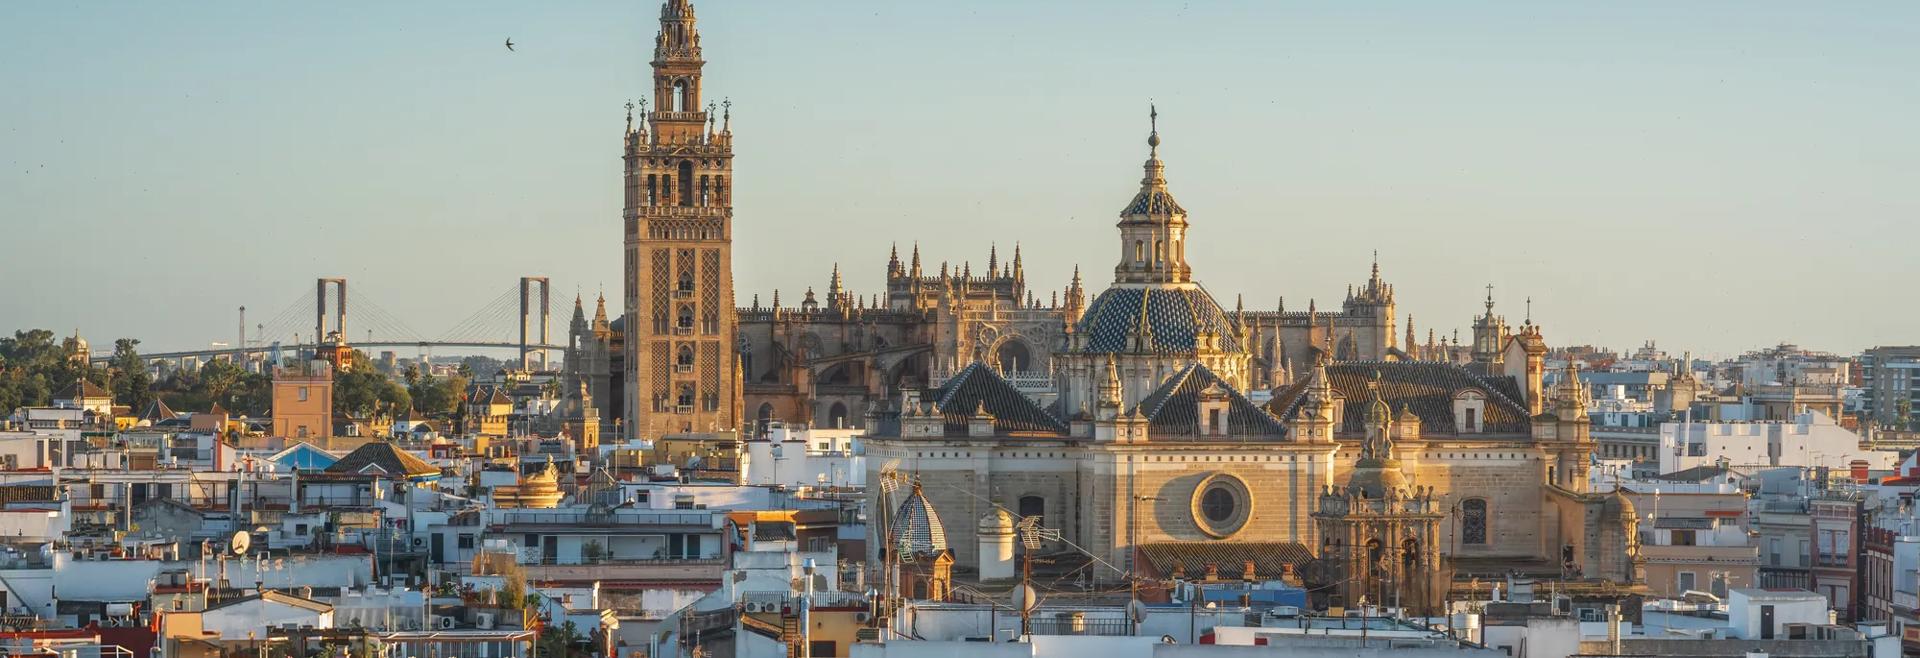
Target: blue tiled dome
<point>1170,318</point>
<point>916,527</point>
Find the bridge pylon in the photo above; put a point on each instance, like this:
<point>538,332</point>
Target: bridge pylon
<point>526,310</point>
<point>320,329</point>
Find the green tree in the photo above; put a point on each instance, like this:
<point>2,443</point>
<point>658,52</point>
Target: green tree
<point>562,640</point>
<point>122,368</point>
<point>365,393</point>
<point>33,368</point>
<point>437,395</point>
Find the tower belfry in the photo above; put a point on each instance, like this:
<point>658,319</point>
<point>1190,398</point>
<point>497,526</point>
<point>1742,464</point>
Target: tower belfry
<point>680,320</point>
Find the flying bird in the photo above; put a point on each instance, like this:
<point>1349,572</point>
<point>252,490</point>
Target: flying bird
<point>509,44</point>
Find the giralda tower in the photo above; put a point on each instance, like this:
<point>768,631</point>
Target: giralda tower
<point>680,319</point>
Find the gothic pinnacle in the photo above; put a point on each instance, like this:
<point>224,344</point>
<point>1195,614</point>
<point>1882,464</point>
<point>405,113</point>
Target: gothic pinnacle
<point>993,259</point>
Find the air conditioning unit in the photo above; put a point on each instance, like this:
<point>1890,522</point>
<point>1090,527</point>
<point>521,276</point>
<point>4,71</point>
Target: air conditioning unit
<point>419,542</point>
<point>862,617</point>
<point>446,623</point>
<point>484,620</point>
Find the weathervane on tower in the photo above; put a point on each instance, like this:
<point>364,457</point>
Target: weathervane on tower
<point>1153,124</point>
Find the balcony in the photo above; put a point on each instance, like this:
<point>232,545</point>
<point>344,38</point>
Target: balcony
<point>638,522</point>
<point>629,570</point>
<point>1727,555</point>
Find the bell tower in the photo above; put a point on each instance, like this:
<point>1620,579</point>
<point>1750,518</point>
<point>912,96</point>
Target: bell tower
<point>680,320</point>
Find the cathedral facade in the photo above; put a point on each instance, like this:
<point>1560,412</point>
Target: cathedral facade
<point>1146,425</point>
<point>1154,457</point>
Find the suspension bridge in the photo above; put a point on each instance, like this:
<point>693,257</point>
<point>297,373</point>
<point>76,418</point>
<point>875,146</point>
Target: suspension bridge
<point>520,317</point>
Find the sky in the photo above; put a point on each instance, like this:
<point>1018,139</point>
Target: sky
<point>1716,176</point>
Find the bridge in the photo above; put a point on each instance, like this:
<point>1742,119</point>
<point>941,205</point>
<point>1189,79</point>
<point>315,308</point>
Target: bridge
<point>520,318</point>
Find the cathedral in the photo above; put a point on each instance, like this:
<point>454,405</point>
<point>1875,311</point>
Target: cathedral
<point>1146,425</point>
<point>1155,447</point>
<point>684,358</point>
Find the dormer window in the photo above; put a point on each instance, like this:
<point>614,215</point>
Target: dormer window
<point>1213,411</point>
<point>1470,412</point>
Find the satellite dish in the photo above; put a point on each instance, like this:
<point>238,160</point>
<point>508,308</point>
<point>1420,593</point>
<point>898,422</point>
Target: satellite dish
<point>1025,599</point>
<point>240,542</point>
<point>1137,610</point>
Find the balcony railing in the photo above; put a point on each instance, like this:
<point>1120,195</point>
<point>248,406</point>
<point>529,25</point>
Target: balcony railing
<point>1060,626</point>
<point>677,517</point>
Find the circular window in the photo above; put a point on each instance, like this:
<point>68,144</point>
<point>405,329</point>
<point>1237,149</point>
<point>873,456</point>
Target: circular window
<point>1217,505</point>
<point>1221,505</point>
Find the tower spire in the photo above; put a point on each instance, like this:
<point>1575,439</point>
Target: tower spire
<point>1153,225</point>
<point>833,288</point>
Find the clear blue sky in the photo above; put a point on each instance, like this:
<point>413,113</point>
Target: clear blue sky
<point>1715,175</point>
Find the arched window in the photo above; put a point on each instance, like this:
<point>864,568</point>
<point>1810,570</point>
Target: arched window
<point>1013,356</point>
<point>704,193</point>
<point>1139,251</point>
<point>1159,251</point>
<point>686,281</point>
<point>686,317</point>
<point>682,96</point>
<point>685,398</point>
<point>837,415</point>
<point>653,190</point>
<point>686,183</point>
<point>1473,521</point>
<point>766,412</point>
<point>686,356</point>
<point>1033,506</point>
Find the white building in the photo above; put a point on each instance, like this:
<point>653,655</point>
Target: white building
<point>1812,440</point>
<point>796,457</point>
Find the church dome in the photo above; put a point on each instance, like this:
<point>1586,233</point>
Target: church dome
<point>1375,477</point>
<point>1168,320</point>
<point>1619,505</point>
<point>916,527</point>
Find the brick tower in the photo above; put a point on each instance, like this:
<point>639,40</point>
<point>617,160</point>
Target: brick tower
<point>680,319</point>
